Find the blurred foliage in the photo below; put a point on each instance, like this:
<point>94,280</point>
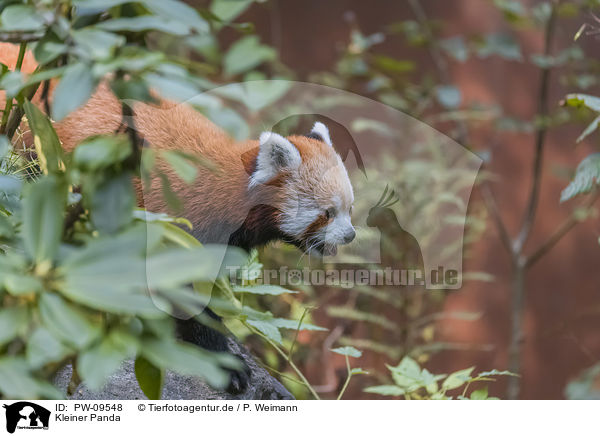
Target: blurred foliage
<point>76,257</point>
<point>416,383</point>
<point>585,386</point>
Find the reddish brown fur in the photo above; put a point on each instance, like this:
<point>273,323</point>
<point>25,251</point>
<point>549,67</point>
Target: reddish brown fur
<point>218,198</point>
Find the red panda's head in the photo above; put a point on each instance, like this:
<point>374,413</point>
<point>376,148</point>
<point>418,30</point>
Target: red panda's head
<point>315,193</point>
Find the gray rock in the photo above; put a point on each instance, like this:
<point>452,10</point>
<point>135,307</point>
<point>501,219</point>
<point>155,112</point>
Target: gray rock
<point>123,384</point>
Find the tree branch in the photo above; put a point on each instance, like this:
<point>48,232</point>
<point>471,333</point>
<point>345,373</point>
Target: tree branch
<point>18,37</point>
<point>540,138</point>
<point>561,231</point>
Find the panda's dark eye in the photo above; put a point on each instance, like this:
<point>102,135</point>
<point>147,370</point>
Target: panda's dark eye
<point>330,213</point>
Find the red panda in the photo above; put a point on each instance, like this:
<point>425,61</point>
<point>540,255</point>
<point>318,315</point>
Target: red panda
<point>294,188</point>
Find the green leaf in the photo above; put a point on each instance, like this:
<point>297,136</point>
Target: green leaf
<point>348,351</point>
<point>267,329</point>
<point>101,152</point>
<point>587,175</point>
<point>513,10</point>
<point>16,381</point>
<point>457,379</point>
<point>394,66</point>
<point>228,10</point>
<point>246,54</point>
<point>496,372</point>
<point>100,5</point>
<point>10,190</point>
<point>131,88</point>
<point>176,88</point>
<point>112,203</point>
<point>97,44</point>
<point>182,165</point>
<point>480,394</point>
<point>101,361</point>
<point>262,290</point>
<point>6,227</point>
<point>102,298</point>
<point>20,18</point>
<point>178,11</point>
<point>255,94</point>
<point>72,325</point>
<point>110,274</point>
<point>410,377</point>
<point>357,315</point>
<point>12,82</point>
<point>43,206</point>
<point>542,12</point>
<point>145,23</point>
<point>73,90</point>
<point>292,324</point>
<point>500,44</point>
<point>20,284</point>
<point>49,48</point>
<point>448,96</point>
<point>178,236</point>
<point>456,48</point>
<point>43,348</point>
<point>13,320</point>
<point>149,377</point>
<point>580,31</point>
<point>579,100</point>
<point>152,217</point>
<point>5,147</point>
<point>589,129</point>
<point>185,359</point>
<point>176,267</point>
<point>584,386</point>
<point>389,390</point>
<point>407,366</point>
<point>47,144</point>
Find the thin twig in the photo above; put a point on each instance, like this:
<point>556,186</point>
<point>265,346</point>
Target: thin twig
<point>284,355</point>
<point>17,113</point>
<point>561,231</point>
<point>306,309</point>
<point>492,207</point>
<point>134,138</point>
<point>9,100</point>
<point>347,379</point>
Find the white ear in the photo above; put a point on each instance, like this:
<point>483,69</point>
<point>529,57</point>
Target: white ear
<point>274,155</point>
<point>320,129</point>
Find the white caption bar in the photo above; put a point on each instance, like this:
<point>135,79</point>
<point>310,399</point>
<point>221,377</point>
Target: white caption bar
<point>297,417</point>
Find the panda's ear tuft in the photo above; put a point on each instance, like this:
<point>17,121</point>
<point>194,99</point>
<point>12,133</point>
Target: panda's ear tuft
<point>275,154</point>
<point>320,132</point>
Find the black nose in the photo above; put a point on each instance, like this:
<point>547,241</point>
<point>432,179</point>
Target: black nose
<point>349,237</point>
